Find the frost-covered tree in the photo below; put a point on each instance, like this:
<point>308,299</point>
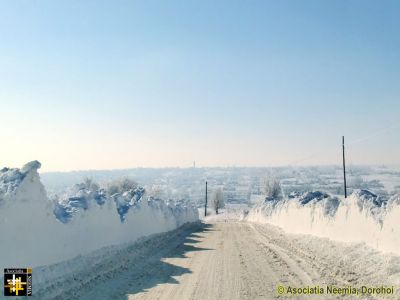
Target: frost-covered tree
<point>217,200</point>
<point>90,184</point>
<point>122,185</point>
<point>272,188</point>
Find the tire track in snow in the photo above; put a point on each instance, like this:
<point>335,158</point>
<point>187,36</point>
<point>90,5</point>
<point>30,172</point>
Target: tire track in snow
<point>221,260</point>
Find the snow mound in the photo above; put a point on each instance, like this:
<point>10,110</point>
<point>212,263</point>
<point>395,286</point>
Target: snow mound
<point>362,217</point>
<point>82,219</point>
<point>367,199</point>
<point>312,196</point>
<point>393,201</point>
<point>80,196</point>
<point>11,179</point>
<point>128,199</point>
<point>84,195</point>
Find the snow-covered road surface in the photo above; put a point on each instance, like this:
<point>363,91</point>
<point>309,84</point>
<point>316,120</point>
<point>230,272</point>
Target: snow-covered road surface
<point>225,260</point>
<point>240,260</point>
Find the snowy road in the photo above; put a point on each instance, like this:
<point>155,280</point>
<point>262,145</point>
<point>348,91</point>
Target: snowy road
<point>234,261</point>
<point>240,260</point>
<point>226,260</point>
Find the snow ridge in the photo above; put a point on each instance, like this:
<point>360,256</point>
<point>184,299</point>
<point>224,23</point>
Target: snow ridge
<point>83,195</point>
<point>84,218</point>
<point>12,178</point>
<point>363,217</point>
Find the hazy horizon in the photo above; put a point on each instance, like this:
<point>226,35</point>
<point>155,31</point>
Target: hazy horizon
<point>228,167</point>
<point>119,85</point>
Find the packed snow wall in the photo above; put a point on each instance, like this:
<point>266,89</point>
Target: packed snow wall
<point>38,230</point>
<point>362,218</point>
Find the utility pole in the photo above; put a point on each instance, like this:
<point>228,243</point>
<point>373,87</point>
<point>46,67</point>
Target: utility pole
<point>205,206</point>
<point>344,170</point>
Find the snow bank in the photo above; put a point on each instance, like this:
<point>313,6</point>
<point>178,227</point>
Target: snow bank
<point>14,183</point>
<point>362,217</point>
<point>36,230</point>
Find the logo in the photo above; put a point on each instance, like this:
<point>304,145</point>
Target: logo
<point>17,282</point>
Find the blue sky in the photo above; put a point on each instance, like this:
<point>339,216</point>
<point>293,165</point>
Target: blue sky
<point>118,84</point>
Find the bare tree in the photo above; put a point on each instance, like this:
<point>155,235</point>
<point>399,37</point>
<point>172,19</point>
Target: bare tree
<point>217,200</point>
<point>272,188</point>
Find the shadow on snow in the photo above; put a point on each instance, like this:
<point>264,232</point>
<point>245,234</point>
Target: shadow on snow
<point>132,268</point>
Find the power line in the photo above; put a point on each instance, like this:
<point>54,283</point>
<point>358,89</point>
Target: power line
<point>316,154</point>
<point>376,133</point>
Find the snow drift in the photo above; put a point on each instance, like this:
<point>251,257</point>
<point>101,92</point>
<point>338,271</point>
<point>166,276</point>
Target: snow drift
<point>363,217</point>
<point>36,230</point>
